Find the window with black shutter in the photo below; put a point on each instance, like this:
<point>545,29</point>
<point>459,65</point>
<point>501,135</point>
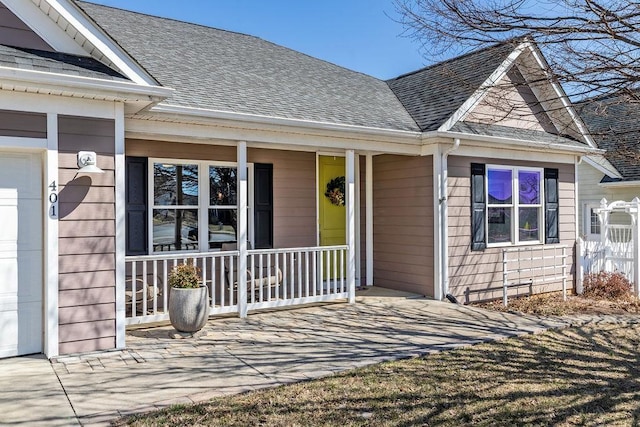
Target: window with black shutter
<point>136,205</point>
<point>552,203</point>
<point>263,205</point>
<point>478,207</point>
<point>509,207</point>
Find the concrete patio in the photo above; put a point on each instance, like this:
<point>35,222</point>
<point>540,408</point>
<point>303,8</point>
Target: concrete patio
<point>234,355</point>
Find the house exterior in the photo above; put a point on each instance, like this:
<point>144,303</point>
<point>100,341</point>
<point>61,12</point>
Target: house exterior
<point>612,121</point>
<point>324,178</point>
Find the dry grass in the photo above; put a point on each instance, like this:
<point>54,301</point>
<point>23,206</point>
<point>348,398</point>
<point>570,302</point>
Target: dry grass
<point>577,376</point>
<point>551,304</point>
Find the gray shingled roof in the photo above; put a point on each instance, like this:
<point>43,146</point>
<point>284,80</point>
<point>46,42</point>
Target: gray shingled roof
<point>54,62</point>
<point>614,124</point>
<point>433,94</point>
<point>514,133</point>
<point>221,70</point>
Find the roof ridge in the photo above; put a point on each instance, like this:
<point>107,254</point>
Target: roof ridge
<point>208,27</point>
<point>79,2</point>
<point>455,58</point>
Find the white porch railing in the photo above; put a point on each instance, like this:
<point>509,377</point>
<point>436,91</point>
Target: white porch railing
<point>275,278</point>
<point>534,265</point>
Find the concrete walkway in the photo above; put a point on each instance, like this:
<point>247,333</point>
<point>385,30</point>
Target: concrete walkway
<point>233,355</point>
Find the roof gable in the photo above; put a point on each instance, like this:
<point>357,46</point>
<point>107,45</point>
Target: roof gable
<point>435,93</point>
<point>14,32</point>
<point>511,103</point>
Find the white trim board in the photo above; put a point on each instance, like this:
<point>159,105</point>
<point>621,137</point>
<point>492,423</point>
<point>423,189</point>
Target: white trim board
<point>602,164</point>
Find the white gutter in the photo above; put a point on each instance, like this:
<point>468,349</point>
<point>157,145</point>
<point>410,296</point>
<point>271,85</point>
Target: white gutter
<point>444,215</point>
<point>412,137</point>
<point>89,86</point>
<point>620,184</point>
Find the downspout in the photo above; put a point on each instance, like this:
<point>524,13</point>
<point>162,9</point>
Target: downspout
<point>444,214</point>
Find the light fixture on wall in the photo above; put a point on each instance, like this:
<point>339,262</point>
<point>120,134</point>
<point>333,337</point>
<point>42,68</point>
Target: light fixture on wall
<point>87,162</point>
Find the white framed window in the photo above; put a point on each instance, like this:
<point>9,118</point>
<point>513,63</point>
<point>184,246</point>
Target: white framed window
<point>591,222</point>
<point>194,205</point>
<point>514,198</point>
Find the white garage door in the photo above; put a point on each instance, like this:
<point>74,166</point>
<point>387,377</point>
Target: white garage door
<point>21,275</point>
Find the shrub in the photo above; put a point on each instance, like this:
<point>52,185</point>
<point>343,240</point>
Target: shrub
<point>185,276</point>
<point>603,285</point>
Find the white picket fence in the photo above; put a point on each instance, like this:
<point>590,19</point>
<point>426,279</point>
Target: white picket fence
<point>275,278</point>
<point>618,248</point>
<point>613,255</point>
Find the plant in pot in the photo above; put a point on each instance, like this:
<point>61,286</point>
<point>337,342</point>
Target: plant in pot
<point>189,299</point>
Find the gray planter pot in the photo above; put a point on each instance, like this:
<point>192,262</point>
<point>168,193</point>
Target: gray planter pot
<point>189,308</point>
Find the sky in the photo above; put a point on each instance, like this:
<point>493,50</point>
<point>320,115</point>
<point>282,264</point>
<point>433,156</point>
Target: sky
<point>357,34</point>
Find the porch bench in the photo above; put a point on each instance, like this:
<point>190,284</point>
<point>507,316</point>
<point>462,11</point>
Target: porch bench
<point>152,292</point>
<point>267,278</point>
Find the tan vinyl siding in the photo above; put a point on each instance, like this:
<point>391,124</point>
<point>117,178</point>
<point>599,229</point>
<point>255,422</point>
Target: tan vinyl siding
<point>294,178</point>
<point>477,275</point>
<point>403,223</point>
<point>511,103</point>
<point>23,124</point>
<point>86,237</point>
<point>14,32</point>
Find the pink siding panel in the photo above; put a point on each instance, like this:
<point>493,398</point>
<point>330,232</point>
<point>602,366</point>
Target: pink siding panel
<point>84,346</point>
<point>22,124</point>
<point>403,223</point>
<point>14,32</point>
<point>87,297</point>
<point>86,237</point>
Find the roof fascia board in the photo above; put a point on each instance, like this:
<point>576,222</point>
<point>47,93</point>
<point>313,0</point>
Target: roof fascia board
<point>601,164</point>
<point>463,111</point>
<point>288,138</point>
<point>562,96</point>
<point>101,40</point>
<point>86,86</point>
<point>44,27</point>
<point>621,184</point>
<point>407,137</point>
<point>521,144</point>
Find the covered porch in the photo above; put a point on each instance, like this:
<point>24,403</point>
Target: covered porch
<point>251,220</point>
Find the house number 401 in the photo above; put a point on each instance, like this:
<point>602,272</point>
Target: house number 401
<point>53,200</point>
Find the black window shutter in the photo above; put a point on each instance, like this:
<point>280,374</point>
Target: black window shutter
<point>263,205</point>
<point>136,205</point>
<point>478,207</point>
<point>551,204</point>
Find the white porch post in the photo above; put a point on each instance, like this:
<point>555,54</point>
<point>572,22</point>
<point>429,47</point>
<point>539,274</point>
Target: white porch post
<point>369,219</point>
<point>351,224</point>
<point>51,239</point>
<point>242,228</point>
<point>635,215</point>
<point>120,225</point>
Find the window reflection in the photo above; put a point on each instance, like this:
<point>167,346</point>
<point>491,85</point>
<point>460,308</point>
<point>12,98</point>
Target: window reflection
<point>528,224</point>
<point>175,185</point>
<point>529,192</point>
<point>222,227</point>
<point>222,184</point>
<point>175,229</point>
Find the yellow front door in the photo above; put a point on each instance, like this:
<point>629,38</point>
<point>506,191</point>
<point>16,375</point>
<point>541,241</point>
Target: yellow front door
<point>332,212</point>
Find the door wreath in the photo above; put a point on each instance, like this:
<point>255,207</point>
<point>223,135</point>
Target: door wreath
<point>335,191</point>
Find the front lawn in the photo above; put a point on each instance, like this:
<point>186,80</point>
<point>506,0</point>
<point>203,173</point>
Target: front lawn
<point>576,376</point>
